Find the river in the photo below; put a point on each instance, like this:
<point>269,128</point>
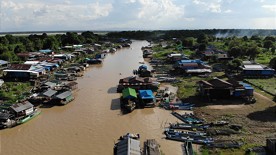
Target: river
<point>91,124</point>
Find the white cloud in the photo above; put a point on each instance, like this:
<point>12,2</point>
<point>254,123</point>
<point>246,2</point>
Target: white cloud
<point>160,10</point>
<point>270,7</point>
<point>44,14</point>
<point>215,7</point>
<point>228,11</point>
<point>268,23</point>
<point>212,5</point>
<point>130,1</point>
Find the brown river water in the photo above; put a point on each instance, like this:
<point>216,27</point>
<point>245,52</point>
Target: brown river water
<point>92,123</point>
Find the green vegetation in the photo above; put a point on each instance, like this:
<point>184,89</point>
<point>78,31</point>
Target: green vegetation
<point>12,45</point>
<point>268,85</point>
<point>11,92</point>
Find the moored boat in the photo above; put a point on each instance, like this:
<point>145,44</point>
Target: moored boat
<point>18,114</point>
<point>185,126</point>
<point>176,136</point>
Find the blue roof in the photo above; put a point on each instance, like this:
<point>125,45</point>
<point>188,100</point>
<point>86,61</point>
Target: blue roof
<point>45,51</point>
<point>143,67</point>
<point>146,94</point>
<point>2,62</point>
<point>246,86</point>
<point>189,61</point>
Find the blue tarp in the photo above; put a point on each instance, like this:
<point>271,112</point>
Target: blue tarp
<point>190,61</point>
<point>143,67</point>
<point>146,94</point>
<point>45,51</point>
<point>2,62</point>
<point>246,86</point>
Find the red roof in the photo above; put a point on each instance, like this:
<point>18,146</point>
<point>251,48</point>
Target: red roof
<point>19,67</point>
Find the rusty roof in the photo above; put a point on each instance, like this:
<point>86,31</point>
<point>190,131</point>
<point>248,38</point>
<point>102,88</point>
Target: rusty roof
<point>19,67</point>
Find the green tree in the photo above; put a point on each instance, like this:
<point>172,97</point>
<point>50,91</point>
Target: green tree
<point>202,47</point>
<point>9,56</point>
<point>235,52</point>
<point>3,48</point>
<point>37,43</point>
<point>51,43</point>
<point>29,46</point>
<point>272,49</point>
<point>11,39</point>
<point>4,40</point>
<point>271,38</point>
<point>252,52</point>
<point>202,38</point>
<point>19,49</point>
<point>272,63</point>
<point>268,44</point>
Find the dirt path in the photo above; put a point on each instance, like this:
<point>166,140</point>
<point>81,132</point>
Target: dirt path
<point>264,97</point>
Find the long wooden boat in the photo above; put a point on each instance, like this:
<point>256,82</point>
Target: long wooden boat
<point>188,118</point>
<point>179,106</point>
<point>184,138</point>
<point>186,133</point>
<point>185,126</point>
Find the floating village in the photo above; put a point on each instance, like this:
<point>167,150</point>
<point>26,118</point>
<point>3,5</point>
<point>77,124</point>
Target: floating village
<point>209,93</point>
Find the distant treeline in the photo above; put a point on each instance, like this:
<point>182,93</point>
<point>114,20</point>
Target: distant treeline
<point>218,33</point>
<point>11,45</point>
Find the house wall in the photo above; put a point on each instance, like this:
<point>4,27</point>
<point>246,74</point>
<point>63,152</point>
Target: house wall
<point>219,93</point>
<point>271,146</point>
<point>17,75</point>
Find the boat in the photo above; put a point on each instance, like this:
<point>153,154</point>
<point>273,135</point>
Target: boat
<point>185,126</point>
<point>128,144</point>
<point>178,106</point>
<point>130,135</point>
<point>29,117</point>
<point>176,136</point>
<point>18,114</point>
<point>188,118</point>
<point>128,99</point>
<point>151,147</point>
<point>186,133</point>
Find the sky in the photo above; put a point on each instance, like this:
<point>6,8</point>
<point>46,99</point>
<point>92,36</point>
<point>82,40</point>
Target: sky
<point>62,15</point>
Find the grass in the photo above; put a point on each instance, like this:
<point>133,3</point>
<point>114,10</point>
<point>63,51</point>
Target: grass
<point>266,84</point>
<point>264,58</point>
<point>10,92</point>
<point>187,86</point>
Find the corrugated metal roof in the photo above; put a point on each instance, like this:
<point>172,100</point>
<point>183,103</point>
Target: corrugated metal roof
<point>64,95</point>
<point>19,67</point>
<point>50,93</point>
<point>146,94</point>
<point>50,84</point>
<point>21,106</point>
<point>129,93</point>
<point>253,66</point>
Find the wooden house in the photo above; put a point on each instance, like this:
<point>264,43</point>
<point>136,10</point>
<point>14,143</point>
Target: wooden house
<point>23,72</point>
<point>255,70</point>
<point>63,98</point>
<point>221,89</point>
<point>146,98</point>
<point>137,83</point>
<point>22,109</point>
<point>271,146</point>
